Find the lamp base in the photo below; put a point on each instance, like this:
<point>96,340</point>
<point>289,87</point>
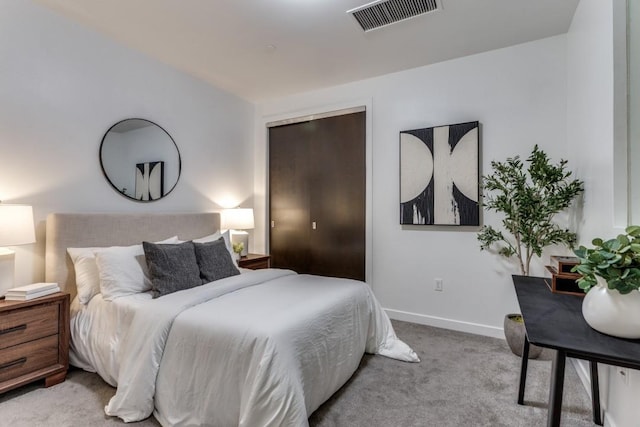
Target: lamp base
<point>7,263</point>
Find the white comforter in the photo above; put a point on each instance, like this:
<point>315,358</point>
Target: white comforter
<point>264,348</point>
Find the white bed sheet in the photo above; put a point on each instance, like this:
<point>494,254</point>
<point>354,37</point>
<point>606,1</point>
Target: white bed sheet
<point>264,348</point>
<point>97,329</point>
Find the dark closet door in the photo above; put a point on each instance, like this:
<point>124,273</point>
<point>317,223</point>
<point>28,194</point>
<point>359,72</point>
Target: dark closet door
<point>317,170</point>
<point>289,197</point>
<point>338,190</point>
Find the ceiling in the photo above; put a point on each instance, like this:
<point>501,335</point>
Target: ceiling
<point>261,49</point>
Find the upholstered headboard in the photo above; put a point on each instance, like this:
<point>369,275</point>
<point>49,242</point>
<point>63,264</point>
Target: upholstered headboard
<point>78,230</point>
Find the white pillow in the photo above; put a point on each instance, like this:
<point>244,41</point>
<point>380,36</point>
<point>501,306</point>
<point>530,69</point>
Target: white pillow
<point>87,279</point>
<point>87,274</point>
<point>215,236</point>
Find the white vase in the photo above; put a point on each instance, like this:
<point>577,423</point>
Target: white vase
<point>609,312</point>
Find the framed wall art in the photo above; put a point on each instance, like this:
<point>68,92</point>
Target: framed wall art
<point>439,175</point>
<point>149,181</point>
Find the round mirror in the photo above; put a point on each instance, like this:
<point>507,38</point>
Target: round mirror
<point>140,160</point>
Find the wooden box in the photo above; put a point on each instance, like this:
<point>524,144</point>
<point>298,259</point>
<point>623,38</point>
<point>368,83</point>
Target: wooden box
<point>563,283</point>
<point>564,264</point>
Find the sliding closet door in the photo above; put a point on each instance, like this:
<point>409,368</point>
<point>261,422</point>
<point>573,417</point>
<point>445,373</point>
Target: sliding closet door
<point>289,197</point>
<point>317,196</point>
<point>338,190</point>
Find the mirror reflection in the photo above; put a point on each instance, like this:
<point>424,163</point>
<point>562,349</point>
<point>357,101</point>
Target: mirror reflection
<point>140,160</point>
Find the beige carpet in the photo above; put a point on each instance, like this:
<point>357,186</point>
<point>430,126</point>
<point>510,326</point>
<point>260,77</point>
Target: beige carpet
<point>463,380</point>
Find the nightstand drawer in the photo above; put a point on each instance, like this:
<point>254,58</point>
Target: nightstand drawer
<point>254,261</point>
<point>28,324</point>
<point>28,357</point>
<point>255,265</point>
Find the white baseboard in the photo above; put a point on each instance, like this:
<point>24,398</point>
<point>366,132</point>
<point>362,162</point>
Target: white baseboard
<point>440,322</point>
<point>582,368</point>
<point>608,422</point>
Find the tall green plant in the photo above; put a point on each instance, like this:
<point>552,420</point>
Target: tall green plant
<point>528,199</point>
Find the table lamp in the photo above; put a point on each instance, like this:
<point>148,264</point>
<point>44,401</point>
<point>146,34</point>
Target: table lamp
<point>16,228</point>
<point>236,220</point>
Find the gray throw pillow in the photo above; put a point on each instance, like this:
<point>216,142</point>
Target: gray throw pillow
<point>172,267</point>
<point>214,261</point>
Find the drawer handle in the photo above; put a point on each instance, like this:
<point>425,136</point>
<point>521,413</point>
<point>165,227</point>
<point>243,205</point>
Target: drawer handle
<point>14,363</point>
<point>14,329</point>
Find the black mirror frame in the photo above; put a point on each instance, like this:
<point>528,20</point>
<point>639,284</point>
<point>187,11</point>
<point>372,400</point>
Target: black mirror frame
<point>104,172</point>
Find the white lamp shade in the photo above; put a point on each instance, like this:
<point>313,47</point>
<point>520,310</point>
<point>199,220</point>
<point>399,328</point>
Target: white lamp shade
<point>16,225</point>
<point>237,219</point>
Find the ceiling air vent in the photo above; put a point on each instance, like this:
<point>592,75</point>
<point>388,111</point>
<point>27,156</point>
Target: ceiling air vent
<point>384,12</point>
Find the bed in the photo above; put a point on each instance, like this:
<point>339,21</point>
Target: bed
<point>260,348</point>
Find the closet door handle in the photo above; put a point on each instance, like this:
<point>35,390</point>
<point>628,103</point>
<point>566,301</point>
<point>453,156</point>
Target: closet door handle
<point>313,225</point>
<point>273,224</point>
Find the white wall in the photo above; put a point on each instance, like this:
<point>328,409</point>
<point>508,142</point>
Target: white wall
<point>519,96</point>
<point>634,106</point>
<point>63,86</point>
<point>592,134</point>
<point>590,105</point>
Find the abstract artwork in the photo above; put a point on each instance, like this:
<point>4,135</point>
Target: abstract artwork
<point>439,175</point>
<point>149,181</point>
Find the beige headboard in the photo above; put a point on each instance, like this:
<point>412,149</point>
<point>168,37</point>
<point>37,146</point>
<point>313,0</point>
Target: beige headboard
<point>78,230</point>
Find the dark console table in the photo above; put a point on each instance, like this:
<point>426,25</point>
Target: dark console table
<point>555,321</point>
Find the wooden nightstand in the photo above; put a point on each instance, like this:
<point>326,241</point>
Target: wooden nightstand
<point>254,261</point>
<point>34,341</point>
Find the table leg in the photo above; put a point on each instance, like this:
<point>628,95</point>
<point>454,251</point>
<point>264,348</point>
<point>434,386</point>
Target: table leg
<point>595,394</point>
<point>555,388</point>
<point>523,370</point>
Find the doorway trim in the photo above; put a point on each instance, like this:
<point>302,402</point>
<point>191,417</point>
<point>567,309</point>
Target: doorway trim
<point>319,116</point>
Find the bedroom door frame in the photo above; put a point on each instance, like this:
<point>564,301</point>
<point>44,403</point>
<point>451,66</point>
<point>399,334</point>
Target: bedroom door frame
<point>262,166</point>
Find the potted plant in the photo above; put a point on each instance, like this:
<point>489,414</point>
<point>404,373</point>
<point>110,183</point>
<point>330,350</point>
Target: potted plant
<point>610,273</point>
<point>514,334</point>
<point>529,199</point>
<point>237,250</point>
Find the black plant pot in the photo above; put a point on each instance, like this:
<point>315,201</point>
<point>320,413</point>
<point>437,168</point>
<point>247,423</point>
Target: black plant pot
<point>514,332</point>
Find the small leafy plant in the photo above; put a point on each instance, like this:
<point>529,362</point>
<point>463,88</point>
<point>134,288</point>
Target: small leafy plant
<point>615,260</point>
<point>238,247</point>
<point>529,199</point>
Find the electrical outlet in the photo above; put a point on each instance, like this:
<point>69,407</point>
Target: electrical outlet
<point>438,285</point>
<point>624,375</point>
